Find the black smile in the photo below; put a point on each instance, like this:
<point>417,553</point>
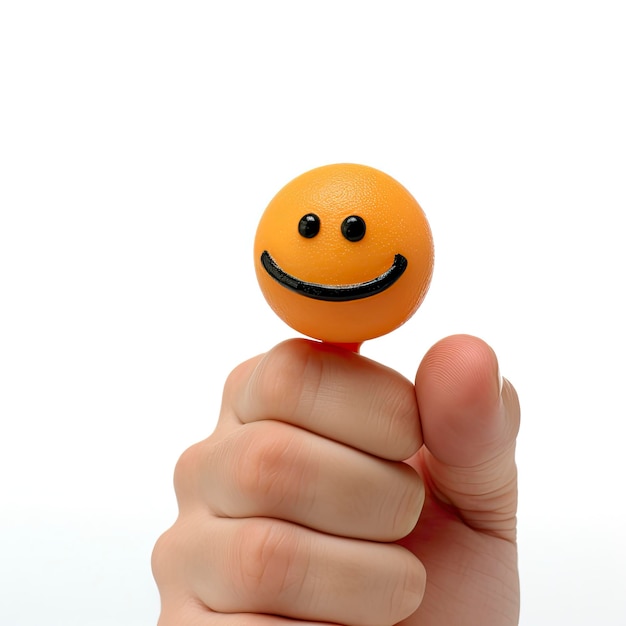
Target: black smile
<point>339,293</point>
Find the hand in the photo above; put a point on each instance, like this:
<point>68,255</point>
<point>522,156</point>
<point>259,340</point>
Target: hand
<point>293,505</point>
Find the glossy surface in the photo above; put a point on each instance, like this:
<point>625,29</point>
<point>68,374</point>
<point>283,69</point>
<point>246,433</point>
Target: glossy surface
<point>344,253</point>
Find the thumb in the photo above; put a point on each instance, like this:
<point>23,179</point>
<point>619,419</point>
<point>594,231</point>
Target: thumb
<point>470,419</point>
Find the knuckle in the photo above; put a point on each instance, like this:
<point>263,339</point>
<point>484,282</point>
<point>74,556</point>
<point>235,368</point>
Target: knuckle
<point>237,377</point>
<point>163,555</point>
<point>405,596</point>
<point>403,429</point>
<point>271,566</point>
<point>271,469</point>
<point>186,471</point>
<point>408,503</point>
<point>282,377</point>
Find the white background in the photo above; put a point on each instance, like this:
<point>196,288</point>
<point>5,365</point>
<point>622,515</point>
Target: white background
<point>139,144</point>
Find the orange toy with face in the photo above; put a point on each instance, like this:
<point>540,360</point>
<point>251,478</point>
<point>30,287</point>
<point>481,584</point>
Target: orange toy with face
<point>344,253</point>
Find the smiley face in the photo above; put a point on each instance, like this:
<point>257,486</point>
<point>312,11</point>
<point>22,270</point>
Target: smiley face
<point>344,253</point>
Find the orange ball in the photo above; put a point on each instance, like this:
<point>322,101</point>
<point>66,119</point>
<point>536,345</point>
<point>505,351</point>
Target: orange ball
<point>344,253</point>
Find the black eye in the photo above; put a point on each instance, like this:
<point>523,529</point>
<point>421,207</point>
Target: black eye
<point>353,228</point>
<point>309,225</point>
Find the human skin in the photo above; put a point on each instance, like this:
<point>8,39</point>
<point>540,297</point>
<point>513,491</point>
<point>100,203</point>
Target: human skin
<point>335,491</point>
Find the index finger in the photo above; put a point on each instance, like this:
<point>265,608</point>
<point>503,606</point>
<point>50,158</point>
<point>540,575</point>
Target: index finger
<point>332,392</point>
